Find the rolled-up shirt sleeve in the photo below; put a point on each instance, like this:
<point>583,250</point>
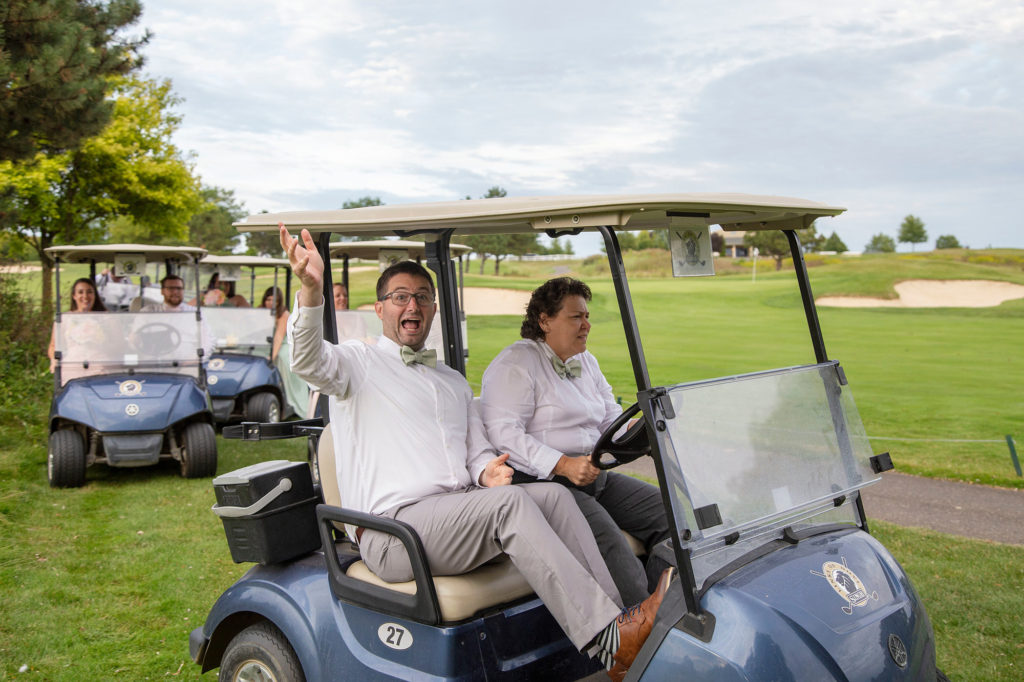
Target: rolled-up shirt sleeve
<point>479,450</point>
<point>508,403</point>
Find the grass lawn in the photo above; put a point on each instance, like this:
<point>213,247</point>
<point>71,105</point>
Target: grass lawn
<point>106,581</point>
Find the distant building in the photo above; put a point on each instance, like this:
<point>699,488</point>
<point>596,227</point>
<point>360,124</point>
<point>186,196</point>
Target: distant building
<point>734,246</point>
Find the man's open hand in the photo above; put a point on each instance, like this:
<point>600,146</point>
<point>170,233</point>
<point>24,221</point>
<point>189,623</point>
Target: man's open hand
<point>306,263</point>
<point>496,472</point>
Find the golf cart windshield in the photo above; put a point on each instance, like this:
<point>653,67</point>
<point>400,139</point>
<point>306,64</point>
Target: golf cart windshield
<point>108,343</point>
<point>748,456</point>
<point>241,330</point>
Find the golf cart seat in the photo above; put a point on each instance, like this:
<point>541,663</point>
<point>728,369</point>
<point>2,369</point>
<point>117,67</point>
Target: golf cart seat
<point>458,596</point>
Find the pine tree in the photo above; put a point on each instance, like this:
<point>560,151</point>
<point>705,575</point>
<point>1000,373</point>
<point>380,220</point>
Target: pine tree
<point>56,60</point>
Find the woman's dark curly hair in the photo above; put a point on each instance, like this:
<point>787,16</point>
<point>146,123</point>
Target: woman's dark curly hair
<point>548,299</point>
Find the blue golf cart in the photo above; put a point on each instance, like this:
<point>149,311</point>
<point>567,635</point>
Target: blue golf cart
<point>244,382</point>
<point>129,386</point>
<point>760,474</point>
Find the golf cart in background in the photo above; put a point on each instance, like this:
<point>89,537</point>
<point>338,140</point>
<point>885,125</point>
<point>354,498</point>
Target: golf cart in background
<point>244,382</point>
<point>129,387</point>
<point>760,476</point>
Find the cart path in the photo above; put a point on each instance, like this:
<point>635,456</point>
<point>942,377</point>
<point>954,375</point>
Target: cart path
<point>973,511</point>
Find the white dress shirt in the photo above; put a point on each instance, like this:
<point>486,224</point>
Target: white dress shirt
<point>535,415</point>
<point>401,432</point>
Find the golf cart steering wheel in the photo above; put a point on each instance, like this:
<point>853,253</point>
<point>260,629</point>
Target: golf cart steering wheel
<point>632,445</point>
<point>156,338</point>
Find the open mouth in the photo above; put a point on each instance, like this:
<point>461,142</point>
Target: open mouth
<point>411,325</point>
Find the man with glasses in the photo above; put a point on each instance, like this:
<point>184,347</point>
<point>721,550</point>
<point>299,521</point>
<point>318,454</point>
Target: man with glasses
<point>410,445</point>
<point>173,289</point>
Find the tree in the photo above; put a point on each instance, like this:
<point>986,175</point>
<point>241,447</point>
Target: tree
<point>834,243</point>
<point>213,227</point>
<point>774,243</point>
<point>131,169</point>
<point>880,243</point>
<point>56,60</point>
<point>947,241</point>
<point>360,203</point>
<point>912,231</point>
<point>499,246</point>
<point>265,243</point>
<point>718,241</point>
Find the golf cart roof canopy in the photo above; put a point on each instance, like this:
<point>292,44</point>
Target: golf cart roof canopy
<point>108,252</point>
<point>371,249</point>
<point>245,261</point>
<point>556,213</point>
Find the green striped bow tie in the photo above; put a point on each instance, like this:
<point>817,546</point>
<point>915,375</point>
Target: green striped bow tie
<point>567,370</point>
<point>425,356</point>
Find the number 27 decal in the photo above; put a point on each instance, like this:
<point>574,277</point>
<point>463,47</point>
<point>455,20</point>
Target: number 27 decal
<point>394,636</point>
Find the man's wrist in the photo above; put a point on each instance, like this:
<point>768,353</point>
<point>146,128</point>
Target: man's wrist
<point>310,297</point>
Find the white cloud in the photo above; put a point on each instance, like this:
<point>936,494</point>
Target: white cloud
<point>892,107</point>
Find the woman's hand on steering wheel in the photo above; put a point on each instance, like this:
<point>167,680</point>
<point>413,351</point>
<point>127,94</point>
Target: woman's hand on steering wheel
<point>578,469</point>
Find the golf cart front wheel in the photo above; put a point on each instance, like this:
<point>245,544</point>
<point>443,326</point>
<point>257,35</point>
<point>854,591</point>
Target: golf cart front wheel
<point>264,408</point>
<point>65,459</point>
<point>200,457</point>
<point>260,652</point>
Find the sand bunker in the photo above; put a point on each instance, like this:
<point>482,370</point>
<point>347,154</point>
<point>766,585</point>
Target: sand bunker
<point>931,293</point>
<point>483,301</point>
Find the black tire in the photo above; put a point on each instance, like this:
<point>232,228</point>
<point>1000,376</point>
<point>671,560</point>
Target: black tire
<point>199,459</point>
<point>260,652</point>
<point>264,408</point>
<point>65,459</point>
<point>940,676</point>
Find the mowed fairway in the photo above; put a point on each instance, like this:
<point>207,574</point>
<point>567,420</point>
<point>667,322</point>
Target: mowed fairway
<point>106,581</point>
<point>929,376</point>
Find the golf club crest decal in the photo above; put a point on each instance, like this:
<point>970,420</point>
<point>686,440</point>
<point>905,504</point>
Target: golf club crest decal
<point>846,584</point>
<point>216,363</point>
<point>129,388</point>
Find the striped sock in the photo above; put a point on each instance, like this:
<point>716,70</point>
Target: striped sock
<point>607,644</point>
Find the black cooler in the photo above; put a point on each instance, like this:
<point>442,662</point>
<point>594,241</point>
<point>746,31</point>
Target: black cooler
<point>269,511</point>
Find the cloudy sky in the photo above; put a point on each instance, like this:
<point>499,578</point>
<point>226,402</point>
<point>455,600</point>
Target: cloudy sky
<point>884,107</point>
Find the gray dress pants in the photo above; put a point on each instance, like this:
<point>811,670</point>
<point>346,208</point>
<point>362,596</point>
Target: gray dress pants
<point>539,526</point>
<point>614,502</point>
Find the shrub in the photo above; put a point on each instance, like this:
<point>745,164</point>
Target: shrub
<point>24,336</point>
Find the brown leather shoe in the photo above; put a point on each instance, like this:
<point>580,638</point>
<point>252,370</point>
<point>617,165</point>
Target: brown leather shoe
<point>635,625</point>
<point>617,672</point>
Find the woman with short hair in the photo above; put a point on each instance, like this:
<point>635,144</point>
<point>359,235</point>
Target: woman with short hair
<point>546,402</point>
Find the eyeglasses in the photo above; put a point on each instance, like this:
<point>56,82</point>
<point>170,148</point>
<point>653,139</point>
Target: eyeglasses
<point>175,288</point>
<point>402,298</point>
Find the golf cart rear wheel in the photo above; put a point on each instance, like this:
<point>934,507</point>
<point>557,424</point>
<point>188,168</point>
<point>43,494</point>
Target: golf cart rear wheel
<point>260,653</point>
<point>65,459</point>
<point>264,408</point>
<point>200,457</point>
